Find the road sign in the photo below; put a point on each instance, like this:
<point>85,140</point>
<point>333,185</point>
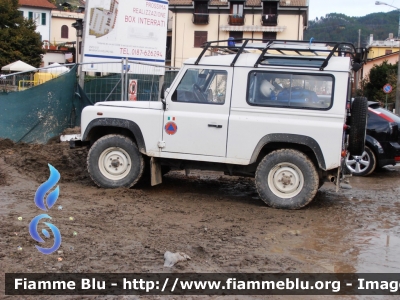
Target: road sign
<point>387,88</point>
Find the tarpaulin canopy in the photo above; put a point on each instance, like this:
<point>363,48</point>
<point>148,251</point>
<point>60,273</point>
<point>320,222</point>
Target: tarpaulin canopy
<point>56,69</point>
<point>18,66</point>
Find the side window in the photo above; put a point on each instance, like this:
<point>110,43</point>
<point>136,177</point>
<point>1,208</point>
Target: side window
<point>290,90</point>
<point>202,86</point>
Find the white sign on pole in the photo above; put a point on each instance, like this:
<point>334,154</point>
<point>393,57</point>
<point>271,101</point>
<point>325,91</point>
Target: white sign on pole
<point>118,29</point>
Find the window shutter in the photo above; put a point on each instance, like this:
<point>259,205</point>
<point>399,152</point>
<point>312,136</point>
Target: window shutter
<point>64,32</point>
<point>200,37</point>
<point>30,15</point>
<point>43,18</point>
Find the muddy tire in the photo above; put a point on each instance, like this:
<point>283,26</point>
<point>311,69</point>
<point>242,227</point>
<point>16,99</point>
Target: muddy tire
<point>115,161</point>
<point>362,165</point>
<point>286,179</point>
<point>358,126</point>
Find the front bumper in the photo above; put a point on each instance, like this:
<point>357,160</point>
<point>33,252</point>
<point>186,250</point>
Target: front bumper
<point>74,140</point>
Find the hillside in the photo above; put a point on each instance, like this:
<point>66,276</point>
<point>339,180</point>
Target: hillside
<point>339,27</point>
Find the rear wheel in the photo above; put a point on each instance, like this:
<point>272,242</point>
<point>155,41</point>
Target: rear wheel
<point>286,179</point>
<point>115,161</point>
<point>362,165</point>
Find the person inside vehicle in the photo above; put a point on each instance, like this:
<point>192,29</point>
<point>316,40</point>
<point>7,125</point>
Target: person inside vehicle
<point>267,89</point>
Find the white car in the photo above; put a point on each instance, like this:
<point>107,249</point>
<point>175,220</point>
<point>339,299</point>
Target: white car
<point>276,111</point>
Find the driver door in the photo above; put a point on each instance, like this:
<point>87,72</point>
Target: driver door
<point>196,120</point>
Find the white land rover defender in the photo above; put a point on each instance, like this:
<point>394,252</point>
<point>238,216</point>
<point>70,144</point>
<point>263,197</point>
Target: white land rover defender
<point>278,111</point>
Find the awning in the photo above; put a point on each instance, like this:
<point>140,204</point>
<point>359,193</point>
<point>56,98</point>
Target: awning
<point>255,28</point>
<point>18,66</point>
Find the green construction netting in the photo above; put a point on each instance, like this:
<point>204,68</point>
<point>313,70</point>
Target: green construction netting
<point>41,112</point>
<point>108,88</point>
<point>45,111</point>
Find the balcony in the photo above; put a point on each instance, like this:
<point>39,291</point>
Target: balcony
<point>236,20</point>
<point>200,18</point>
<point>269,20</point>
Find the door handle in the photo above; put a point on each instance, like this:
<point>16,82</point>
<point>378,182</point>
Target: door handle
<point>215,125</point>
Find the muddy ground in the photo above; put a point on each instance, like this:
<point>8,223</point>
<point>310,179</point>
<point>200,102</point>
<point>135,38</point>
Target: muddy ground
<point>217,220</point>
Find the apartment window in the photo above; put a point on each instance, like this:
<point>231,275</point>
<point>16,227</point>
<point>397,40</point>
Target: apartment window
<point>237,9</point>
<point>236,16</point>
<point>200,16</point>
<point>201,7</point>
<point>30,15</point>
<point>388,52</point>
<point>36,17</point>
<point>268,36</point>
<point>200,37</point>
<point>270,14</point>
<point>237,35</point>
<point>43,18</point>
<point>270,8</point>
<point>64,32</point>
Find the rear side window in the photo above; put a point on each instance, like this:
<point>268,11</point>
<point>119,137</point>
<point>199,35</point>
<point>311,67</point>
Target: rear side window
<point>307,91</point>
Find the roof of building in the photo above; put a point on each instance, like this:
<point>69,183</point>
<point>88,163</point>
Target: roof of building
<point>287,3</point>
<point>384,44</point>
<point>180,2</point>
<point>293,3</point>
<point>37,3</point>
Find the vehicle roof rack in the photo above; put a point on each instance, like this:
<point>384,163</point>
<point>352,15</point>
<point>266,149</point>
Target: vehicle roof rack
<point>301,53</point>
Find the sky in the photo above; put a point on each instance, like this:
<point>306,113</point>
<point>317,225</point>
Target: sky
<point>352,8</point>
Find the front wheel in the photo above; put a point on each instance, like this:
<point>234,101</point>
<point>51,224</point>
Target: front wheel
<point>286,179</point>
<point>115,161</point>
<point>362,165</point>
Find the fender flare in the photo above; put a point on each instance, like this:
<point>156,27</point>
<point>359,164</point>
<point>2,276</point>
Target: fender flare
<point>119,123</point>
<point>374,144</point>
<point>293,139</point>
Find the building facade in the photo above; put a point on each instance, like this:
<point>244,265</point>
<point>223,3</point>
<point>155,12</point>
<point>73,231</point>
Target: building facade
<point>195,22</point>
<point>40,12</point>
<point>382,48</point>
<point>62,31</point>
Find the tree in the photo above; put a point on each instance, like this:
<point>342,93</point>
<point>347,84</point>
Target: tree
<point>18,38</point>
<point>378,77</point>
